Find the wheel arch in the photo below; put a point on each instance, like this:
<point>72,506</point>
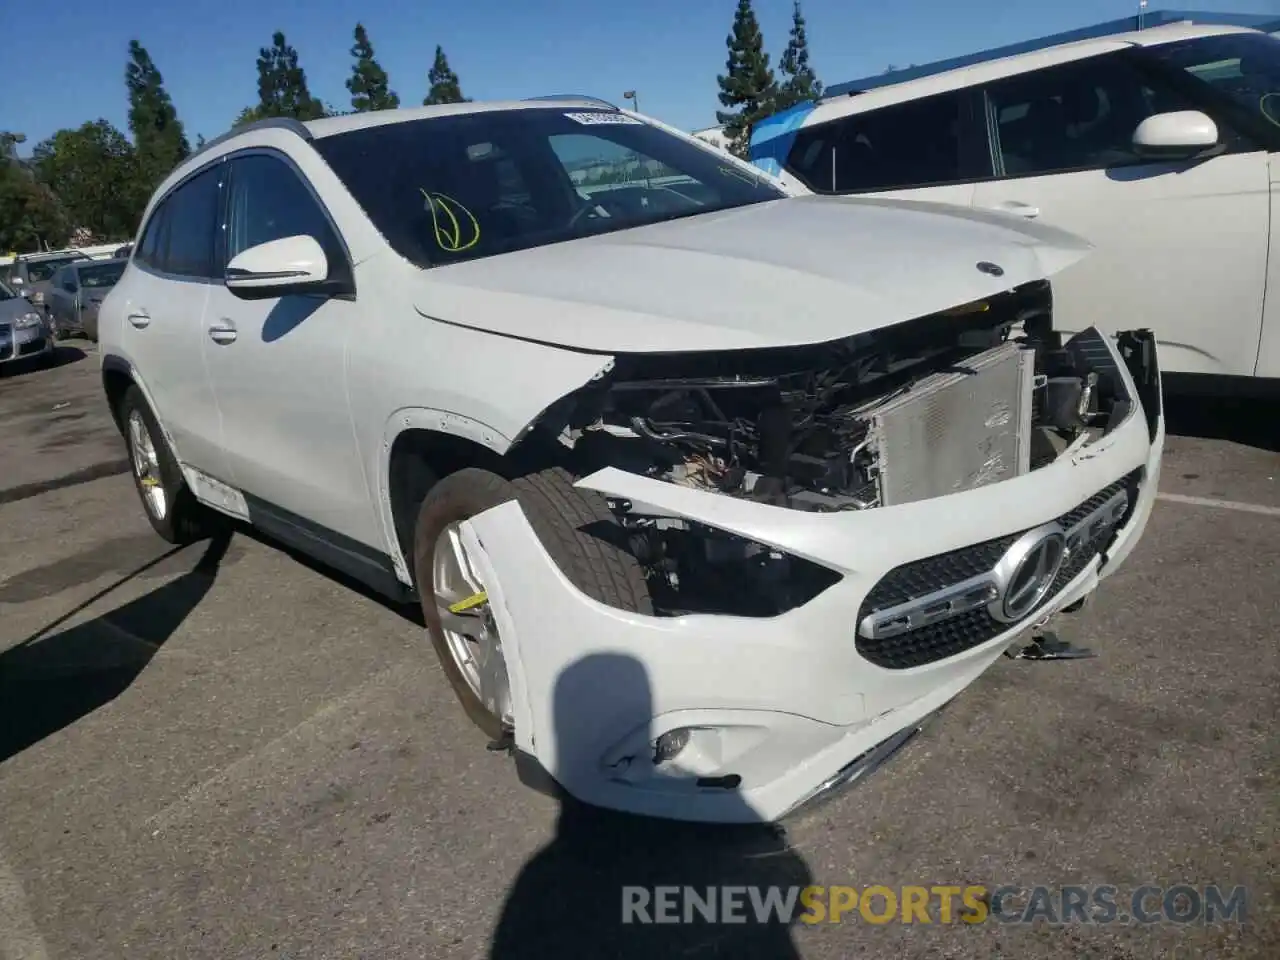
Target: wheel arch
<point>421,446</point>
<point>118,375</point>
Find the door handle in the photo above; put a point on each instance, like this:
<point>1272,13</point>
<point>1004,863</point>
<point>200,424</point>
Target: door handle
<point>224,332</point>
<point>140,318</point>
<point>1018,209</point>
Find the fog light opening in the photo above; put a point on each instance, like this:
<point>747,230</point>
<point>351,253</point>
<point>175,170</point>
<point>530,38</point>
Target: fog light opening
<point>670,745</point>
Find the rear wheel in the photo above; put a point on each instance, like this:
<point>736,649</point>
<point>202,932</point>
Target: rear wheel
<point>573,526</point>
<point>171,508</point>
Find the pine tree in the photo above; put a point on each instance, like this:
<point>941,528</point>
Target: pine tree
<point>800,83</point>
<point>157,132</point>
<point>368,81</point>
<point>444,82</point>
<point>282,85</point>
<point>748,84</point>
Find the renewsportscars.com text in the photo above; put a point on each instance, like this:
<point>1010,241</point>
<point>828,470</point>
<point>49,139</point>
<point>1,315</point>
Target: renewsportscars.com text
<point>972,904</point>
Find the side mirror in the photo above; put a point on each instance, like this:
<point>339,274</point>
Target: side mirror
<point>278,268</point>
<point>1179,135</point>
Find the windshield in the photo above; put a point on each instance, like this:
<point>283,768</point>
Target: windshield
<point>1242,66</point>
<point>39,271</point>
<point>100,275</point>
<point>447,189</point>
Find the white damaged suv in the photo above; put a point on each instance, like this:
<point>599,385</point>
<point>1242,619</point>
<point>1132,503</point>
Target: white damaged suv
<point>710,495</point>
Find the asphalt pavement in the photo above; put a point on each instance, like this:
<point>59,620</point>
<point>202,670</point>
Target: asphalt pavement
<point>226,752</point>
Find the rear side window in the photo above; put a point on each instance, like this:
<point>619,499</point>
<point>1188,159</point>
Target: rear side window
<point>913,144</point>
<point>155,242</point>
<point>193,217</point>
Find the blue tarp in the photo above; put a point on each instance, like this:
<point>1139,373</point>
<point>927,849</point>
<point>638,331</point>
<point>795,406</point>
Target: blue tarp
<point>771,138</point>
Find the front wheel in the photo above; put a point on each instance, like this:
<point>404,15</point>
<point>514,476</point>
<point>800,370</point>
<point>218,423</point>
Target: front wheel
<point>568,522</point>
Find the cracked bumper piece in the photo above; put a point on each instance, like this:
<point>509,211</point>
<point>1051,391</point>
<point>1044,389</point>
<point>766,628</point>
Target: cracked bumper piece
<point>738,719</point>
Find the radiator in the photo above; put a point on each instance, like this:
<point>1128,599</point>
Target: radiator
<point>955,430</point>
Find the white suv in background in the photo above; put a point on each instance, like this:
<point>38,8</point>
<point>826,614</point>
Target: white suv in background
<point>709,496</point>
<point>1158,147</point>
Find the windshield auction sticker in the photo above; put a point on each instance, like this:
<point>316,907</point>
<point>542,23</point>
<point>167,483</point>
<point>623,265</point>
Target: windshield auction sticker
<point>601,118</point>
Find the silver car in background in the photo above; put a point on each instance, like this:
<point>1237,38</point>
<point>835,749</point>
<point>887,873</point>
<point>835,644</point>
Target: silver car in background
<point>31,273</point>
<point>23,331</point>
<point>76,291</point>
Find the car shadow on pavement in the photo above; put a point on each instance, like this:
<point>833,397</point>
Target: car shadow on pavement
<point>51,680</point>
<point>410,611</point>
<point>1250,419</point>
<point>63,356</point>
<point>591,891</point>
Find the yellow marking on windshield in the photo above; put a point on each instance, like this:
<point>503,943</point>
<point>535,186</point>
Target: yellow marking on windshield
<point>450,236</point>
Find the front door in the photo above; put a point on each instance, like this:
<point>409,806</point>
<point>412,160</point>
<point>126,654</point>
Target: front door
<point>1180,247</point>
<point>277,365</point>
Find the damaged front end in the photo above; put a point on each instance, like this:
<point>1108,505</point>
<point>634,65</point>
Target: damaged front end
<point>969,397</point>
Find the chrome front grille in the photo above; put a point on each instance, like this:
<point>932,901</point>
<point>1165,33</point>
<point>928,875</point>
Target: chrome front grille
<point>931,609</point>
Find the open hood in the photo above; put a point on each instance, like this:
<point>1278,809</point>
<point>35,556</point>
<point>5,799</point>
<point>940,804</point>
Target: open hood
<point>782,273</point>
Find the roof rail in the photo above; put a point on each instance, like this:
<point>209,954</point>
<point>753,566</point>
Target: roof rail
<point>579,97</point>
<point>270,123</point>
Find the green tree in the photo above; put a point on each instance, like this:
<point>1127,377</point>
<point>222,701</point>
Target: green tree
<point>368,81</point>
<point>158,136</point>
<point>444,82</point>
<point>30,215</point>
<point>94,172</point>
<point>800,84</point>
<point>747,87</point>
<point>282,86</point>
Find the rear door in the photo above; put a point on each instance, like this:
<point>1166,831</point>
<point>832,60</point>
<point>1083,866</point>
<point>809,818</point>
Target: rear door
<point>1180,247</point>
<point>162,297</point>
<point>931,148</point>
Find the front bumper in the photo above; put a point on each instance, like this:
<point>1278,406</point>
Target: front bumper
<point>22,342</point>
<point>786,708</point>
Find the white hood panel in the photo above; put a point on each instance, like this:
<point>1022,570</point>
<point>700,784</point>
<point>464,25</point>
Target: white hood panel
<point>787,272</point>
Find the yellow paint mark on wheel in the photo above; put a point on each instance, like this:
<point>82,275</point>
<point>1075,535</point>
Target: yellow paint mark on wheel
<point>150,482</point>
<point>473,601</point>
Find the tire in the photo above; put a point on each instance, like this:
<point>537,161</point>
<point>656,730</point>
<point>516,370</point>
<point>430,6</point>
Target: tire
<point>182,519</point>
<point>573,526</point>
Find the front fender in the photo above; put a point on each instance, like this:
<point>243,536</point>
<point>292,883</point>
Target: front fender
<point>437,421</point>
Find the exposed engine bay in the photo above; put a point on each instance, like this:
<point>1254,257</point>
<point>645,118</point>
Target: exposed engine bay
<point>933,406</point>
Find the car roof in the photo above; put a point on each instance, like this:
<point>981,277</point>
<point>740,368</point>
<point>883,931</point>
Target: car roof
<point>49,255</point>
<point>268,130</point>
<point>989,70</point>
<point>330,126</point>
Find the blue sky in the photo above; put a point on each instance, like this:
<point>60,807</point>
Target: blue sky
<point>668,50</point>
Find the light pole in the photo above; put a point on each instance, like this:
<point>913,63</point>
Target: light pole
<point>635,100</point>
<point>1142,9</point>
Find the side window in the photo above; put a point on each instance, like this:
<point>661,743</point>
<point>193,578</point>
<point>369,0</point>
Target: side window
<point>1079,116</point>
<point>193,218</point>
<point>70,280</point>
<point>912,144</point>
<point>155,242</point>
<point>269,202</point>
